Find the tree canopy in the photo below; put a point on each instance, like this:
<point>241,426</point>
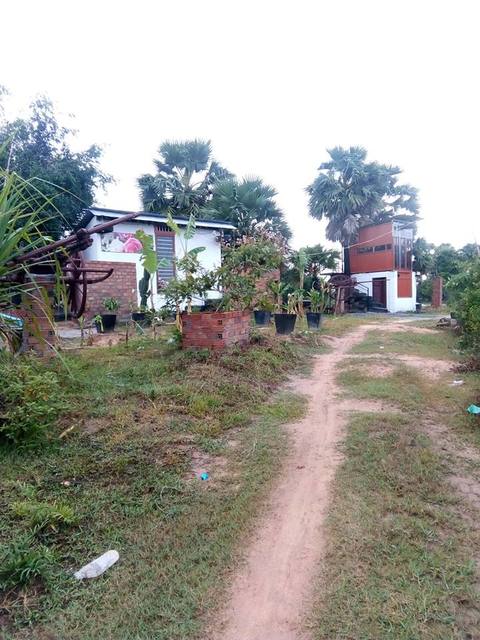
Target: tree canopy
<point>249,204</point>
<point>350,192</point>
<point>39,148</point>
<point>185,178</point>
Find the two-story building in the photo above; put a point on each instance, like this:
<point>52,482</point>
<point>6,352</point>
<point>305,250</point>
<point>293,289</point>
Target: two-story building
<point>381,263</point>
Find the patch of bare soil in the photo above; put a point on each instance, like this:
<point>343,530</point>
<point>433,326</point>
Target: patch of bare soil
<point>430,367</point>
<point>269,596</point>
<point>403,327</point>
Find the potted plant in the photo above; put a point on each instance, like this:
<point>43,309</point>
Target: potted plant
<point>317,306</point>
<point>108,319</point>
<point>263,314</point>
<point>285,322</point>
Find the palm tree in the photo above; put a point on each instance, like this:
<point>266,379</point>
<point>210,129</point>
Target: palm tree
<point>351,192</point>
<point>186,175</point>
<point>249,204</point>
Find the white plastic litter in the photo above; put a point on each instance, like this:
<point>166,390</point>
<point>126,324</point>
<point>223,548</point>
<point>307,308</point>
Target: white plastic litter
<point>456,383</point>
<point>96,567</point>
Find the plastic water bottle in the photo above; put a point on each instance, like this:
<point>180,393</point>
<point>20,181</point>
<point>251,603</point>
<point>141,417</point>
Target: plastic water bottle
<point>98,566</point>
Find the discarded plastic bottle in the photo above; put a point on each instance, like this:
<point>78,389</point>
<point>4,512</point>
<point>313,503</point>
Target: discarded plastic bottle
<point>204,476</point>
<point>98,566</point>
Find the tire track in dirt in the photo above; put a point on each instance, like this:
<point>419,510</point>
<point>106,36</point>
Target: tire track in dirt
<point>271,592</point>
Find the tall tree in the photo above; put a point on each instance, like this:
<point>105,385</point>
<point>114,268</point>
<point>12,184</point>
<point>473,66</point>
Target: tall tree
<point>423,256</point>
<point>250,205</point>
<point>38,148</point>
<point>351,192</point>
<point>185,178</point>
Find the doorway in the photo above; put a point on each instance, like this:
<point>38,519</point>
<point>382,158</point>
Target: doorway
<point>379,286</point>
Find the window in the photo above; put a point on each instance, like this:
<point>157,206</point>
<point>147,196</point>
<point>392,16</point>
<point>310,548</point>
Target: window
<point>403,253</point>
<point>165,248</point>
<point>365,250</point>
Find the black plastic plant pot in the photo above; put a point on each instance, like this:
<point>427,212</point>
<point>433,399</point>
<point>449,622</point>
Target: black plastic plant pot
<point>285,323</point>
<point>418,307</point>
<point>140,317</point>
<point>262,318</point>
<point>314,319</point>
<point>108,323</point>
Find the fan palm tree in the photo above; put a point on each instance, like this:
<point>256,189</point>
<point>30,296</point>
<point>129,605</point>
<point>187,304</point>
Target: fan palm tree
<point>249,204</point>
<point>351,192</point>
<point>186,175</point>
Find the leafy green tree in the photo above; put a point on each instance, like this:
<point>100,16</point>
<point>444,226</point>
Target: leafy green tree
<point>38,148</point>
<point>469,252</point>
<point>423,256</point>
<point>250,205</point>
<point>464,298</point>
<point>446,261</point>
<point>185,178</point>
<point>350,192</point>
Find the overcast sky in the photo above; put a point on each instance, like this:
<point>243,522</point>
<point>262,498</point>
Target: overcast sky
<point>272,84</point>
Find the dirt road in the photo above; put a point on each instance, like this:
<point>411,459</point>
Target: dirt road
<point>269,597</point>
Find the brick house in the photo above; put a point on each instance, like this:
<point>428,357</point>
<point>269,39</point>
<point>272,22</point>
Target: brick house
<point>117,248</point>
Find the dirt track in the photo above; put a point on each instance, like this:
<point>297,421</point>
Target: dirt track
<point>270,594</point>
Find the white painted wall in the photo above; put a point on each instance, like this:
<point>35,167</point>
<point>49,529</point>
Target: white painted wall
<point>394,303</point>
<point>209,259</point>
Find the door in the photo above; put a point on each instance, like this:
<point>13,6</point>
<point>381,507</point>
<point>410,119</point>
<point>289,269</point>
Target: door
<point>380,291</point>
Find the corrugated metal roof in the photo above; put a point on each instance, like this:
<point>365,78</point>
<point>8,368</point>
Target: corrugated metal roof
<point>147,216</point>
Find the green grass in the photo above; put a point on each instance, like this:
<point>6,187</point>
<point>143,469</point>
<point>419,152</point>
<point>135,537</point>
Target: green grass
<point>399,563</point>
<point>339,325</point>
<point>400,389</point>
<point>400,559</point>
<point>436,344</point>
<point>122,479</point>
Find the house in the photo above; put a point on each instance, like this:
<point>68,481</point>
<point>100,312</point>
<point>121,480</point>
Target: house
<point>117,248</point>
<point>381,263</point>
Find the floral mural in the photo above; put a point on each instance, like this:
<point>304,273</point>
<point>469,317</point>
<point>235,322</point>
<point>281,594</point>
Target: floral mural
<point>117,242</point>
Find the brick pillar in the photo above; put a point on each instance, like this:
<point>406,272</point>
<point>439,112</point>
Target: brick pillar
<point>39,331</point>
<point>437,290</point>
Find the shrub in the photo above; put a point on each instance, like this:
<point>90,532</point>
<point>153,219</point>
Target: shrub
<point>30,400</point>
<point>464,295</point>
<point>20,563</point>
<point>42,514</point>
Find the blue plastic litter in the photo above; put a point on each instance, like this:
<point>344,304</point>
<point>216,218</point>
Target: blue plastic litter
<point>204,476</point>
<point>473,408</point>
<point>13,320</point>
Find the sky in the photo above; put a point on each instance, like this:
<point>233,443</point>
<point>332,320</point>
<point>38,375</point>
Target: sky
<point>272,84</point>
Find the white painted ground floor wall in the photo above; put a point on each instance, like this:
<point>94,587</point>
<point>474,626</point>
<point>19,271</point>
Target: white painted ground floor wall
<point>394,303</point>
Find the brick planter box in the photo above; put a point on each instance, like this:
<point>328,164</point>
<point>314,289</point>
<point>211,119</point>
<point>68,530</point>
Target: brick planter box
<point>215,330</point>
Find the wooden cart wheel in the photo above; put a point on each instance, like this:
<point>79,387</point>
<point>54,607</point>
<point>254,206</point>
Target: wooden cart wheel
<point>77,287</point>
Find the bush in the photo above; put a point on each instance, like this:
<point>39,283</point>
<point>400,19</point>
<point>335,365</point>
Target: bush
<point>424,291</point>
<point>30,400</point>
<point>464,296</point>
<point>20,563</point>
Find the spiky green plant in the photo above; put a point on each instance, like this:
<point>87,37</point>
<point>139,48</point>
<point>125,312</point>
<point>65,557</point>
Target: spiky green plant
<point>22,212</point>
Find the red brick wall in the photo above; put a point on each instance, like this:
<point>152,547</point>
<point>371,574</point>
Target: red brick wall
<point>215,330</point>
<point>437,287</point>
<point>122,284</point>
<point>262,283</point>
<point>39,329</point>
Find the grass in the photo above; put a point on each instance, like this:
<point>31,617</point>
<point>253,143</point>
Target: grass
<point>122,479</point>
<point>430,345</point>
<point>400,559</point>
<point>339,325</point>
